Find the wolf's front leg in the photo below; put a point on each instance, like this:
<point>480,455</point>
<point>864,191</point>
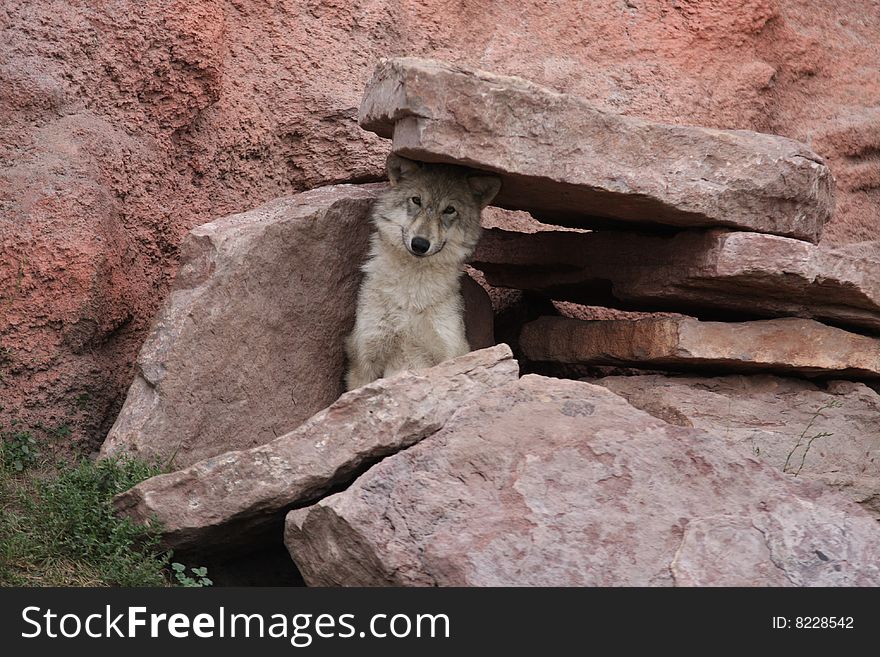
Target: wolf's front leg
<point>452,339</point>
<point>365,364</point>
<point>360,374</point>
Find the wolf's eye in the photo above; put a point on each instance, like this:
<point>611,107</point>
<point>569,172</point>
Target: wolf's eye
<point>416,200</point>
<point>449,210</point>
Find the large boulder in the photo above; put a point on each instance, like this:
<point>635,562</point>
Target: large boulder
<point>569,163</point>
<point>234,500</point>
<point>828,433</point>
<point>546,482</point>
<point>700,272</point>
<point>770,345</point>
<point>250,341</point>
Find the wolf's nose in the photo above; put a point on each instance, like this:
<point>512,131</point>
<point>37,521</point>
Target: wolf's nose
<point>420,245</point>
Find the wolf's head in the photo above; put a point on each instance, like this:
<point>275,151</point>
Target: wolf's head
<point>433,209</point>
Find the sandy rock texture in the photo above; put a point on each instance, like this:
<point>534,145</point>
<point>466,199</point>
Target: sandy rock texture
<point>124,124</point>
<point>612,496</point>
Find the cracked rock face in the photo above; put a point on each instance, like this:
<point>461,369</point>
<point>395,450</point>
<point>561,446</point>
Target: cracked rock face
<point>229,501</point>
<point>545,482</point>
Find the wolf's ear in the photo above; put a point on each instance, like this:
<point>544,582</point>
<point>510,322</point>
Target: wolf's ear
<point>484,188</point>
<point>400,167</point>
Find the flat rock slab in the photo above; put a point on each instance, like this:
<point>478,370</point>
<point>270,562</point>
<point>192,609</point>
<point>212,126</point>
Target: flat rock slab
<point>571,164</point>
<point>773,345</point>
<point>829,434</point>
<point>229,500</point>
<point>547,482</point>
<point>694,272</point>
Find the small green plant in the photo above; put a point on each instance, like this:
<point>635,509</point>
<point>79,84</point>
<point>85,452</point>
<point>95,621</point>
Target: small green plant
<point>54,433</point>
<point>200,579</point>
<point>807,442</point>
<point>19,449</point>
<point>60,432</point>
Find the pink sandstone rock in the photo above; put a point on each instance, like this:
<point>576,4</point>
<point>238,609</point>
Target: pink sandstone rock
<point>568,163</point>
<point>773,345</point>
<point>827,433</point>
<point>233,498</point>
<point>693,271</point>
<point>545,482</point>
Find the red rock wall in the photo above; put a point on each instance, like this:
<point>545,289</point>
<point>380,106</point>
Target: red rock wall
<point>123,124</point>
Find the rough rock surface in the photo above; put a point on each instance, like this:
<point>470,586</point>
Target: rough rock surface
<point>694,271</point>
<point>124,124</point>
<point>829,434</point>
<point>249,343</point>
<point>568,163</point>
<point>230,499</point>
<point>772,345</point>
<point>610,496</point>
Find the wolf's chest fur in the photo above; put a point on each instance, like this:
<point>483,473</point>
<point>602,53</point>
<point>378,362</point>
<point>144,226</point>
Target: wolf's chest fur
<point>410,315</point>
<point>411,286</point>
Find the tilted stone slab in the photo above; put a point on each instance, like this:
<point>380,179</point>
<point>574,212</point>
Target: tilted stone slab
<point>232,499</point>
<point>547,482</point>
<point>693,271</point>
<point>774,345</point>
<point>828,433</point>
<point>571,164</point>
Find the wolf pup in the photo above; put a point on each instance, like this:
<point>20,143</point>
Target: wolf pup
<point>410,313</point>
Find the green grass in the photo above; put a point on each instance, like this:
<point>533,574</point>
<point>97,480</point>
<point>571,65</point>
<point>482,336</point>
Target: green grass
<point>57,527</point>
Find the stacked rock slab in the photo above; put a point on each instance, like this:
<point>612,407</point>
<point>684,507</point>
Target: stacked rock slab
<point>799,346</point>
<point>571,164</point>
<point>240,495</point>
<point>692,271</point>
<point>747,206</point>
<point>465,474</point>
